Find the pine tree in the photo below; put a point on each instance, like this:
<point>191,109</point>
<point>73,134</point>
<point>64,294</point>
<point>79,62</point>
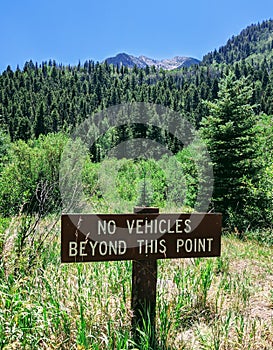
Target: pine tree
<point>230,134</point>
<point>39,127</point>
<point>145,191</point>
<point>24,129</point>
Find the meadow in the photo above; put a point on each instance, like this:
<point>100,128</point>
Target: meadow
<point>204,303</point>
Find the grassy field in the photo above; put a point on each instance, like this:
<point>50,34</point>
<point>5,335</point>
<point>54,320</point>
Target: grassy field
<point>219,303</point>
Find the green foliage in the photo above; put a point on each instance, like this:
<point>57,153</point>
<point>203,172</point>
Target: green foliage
<point>119,185</point>
<point>232,142</point>
<point>29,181</point>
<point>190,176</point>
<point>152,184</point>
<point>5,146</point>
<point>254,40</point>
<point>261,235</point>
<point>4,224</point>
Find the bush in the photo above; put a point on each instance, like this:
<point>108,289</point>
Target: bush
<point>29,181</point>
<point>119,185</point>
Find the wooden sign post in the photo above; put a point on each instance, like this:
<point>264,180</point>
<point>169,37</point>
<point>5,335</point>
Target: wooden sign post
<point>144,279</point>
<point>143,237</point>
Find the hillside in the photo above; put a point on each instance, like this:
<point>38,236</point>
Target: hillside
<point>48,97</point>
<point>254,42</point>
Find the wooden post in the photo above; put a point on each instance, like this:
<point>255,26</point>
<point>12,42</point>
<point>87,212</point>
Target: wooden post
<point>144,279</point>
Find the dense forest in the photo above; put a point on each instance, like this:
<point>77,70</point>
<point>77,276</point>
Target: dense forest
<point>255,40</point>
<point>47,99</point>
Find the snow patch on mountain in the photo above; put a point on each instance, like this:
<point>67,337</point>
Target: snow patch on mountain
<point>123,59</point>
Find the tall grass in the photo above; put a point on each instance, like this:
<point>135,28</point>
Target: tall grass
<point>201,303</point>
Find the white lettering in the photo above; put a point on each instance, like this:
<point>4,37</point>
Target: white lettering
<point>73,251</point>
<point>148,245</point>
<point>202,245</point>
<point>113,248</point>
<point>103,248</point>
<point>209,242</point>
<point>82,248</point>
<point>101,226</point>
<point>117,247</point>
<point>161,230</point>
<point>112,227</point>
<point>148,226</point>
<point>169,227</point>
<point>140,244</point>
<point>179,223</point>
<point>139,226</point>
<point>163,248</point>
<point>152,246</point>
<point>93,246</point>
<point>188,245</point>
<point>130,227</point>
<point>107,227</point>
<point>179,244</point>
<point>188,227</point>
<point>196,245</point>
<point>122,247</point>
<point>161,226</point>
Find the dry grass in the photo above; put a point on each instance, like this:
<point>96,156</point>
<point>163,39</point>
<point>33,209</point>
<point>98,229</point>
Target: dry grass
<point>240,303</point>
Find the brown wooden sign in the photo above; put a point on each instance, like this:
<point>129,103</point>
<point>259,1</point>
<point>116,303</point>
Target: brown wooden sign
<point>106,237</point>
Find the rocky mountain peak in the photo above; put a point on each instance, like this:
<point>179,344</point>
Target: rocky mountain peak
<point>124,59</point>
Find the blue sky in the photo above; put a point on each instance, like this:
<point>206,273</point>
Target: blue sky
<point>69,31</point>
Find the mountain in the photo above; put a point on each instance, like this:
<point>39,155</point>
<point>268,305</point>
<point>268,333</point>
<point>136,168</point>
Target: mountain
<point>254,43</point>
<point>123,59</point>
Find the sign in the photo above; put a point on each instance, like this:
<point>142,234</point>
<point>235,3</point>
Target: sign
<point>112,237</point>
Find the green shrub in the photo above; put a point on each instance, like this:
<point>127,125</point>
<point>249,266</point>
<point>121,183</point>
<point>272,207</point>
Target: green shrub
<point>29,181</point>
